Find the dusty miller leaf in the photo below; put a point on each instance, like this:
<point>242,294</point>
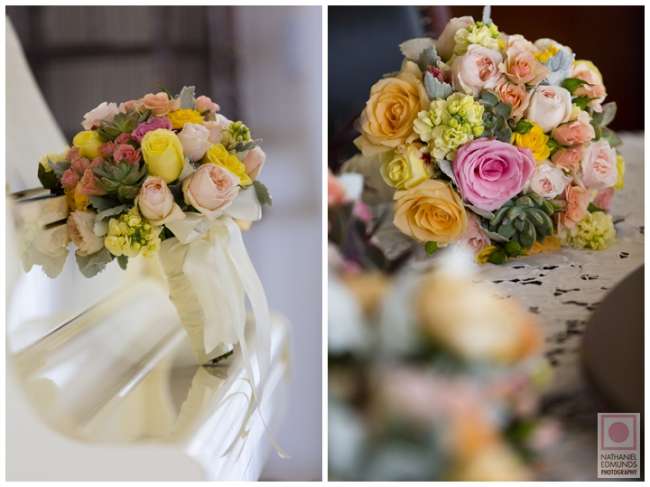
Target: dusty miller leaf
<point>436,89</point>
<point>91,265</point>
<point>186,97</point>
<point>446,167</point>
<point>412,48</point>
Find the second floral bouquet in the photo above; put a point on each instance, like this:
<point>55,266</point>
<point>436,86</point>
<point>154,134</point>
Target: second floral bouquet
<point>495,141</point>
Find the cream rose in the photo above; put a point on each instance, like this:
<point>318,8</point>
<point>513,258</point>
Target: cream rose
<point>549,107</point>
<point>156,202</point>
<point>387,120</point>
<point>195,140</point>
<point>102,112</point>
<point>476,70</point>
<point>548,181</point>
<point>211,189</point>
<point>254,161</point>
<point>445,43</point>
<point>216,127</point>
<point>599,165</point>
<point>430,211</point>
<point>80,231</point>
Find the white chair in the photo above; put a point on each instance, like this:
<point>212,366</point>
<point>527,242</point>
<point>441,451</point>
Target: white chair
<point>101,383</point>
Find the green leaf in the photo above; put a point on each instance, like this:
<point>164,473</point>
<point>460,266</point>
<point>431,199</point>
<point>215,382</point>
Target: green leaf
<point>610,136</point>
<point>504,134</point>
<point>523,126</point>
<point>435,88</point>
<point>605,117</point>
<point>581,102</point>
<point>497,257</point>
<point>502,110</point>
<point>49,180</point>
<point>123,261</point>
<point>553,144</point>
<point>431,247</point>
<point>245,146</point>
<point>572,84</point>
<point>186,97</point>
<point>488,99</point>
<point>91,265</point>
<point>513,248</point>
<point>262,193</point>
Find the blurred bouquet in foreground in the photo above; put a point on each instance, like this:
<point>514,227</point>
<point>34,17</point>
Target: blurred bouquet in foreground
<point>431,376</point>
<point>489,139</point>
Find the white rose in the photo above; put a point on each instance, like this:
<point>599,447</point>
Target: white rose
<point>476,70</point>
<point>216,127</point>
<point>254,161</point>
<point>549,107</point>
<point>156,202</point>
<point>102,112</point>
<point>445,43</point>
<point>195,140</point>
<point>599,168</point>
<point>548,181</point>
<point>80,231</point>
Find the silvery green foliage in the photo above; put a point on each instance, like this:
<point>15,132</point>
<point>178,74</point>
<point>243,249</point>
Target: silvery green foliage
<point>93,264</point>
<point>428,57</point>
<point>447,169</point>
<point>435,88</point>
<point>604,118</point>
<point>101,225</point>
<point>413,48</point>
<point>375,189</point>
<point>559,66</point>
<point>186,97</point>
<point>487,15</point>
<point>484,213</point>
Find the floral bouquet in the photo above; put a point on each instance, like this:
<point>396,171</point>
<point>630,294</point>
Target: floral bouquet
<point>168,176</point>
<point>492,140</point>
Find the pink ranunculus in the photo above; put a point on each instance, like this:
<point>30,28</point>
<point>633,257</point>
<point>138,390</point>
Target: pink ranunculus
<point>69,179</point>
<point>475,237</point>
<point>513,94</point>
<point>90,185</point>
<point>603,199</point>
<point>107,148</point>
<point>153,124</point>
<point>102,112</point>
<point>123,138</point>
<point>254,161</point>
<point>598,164</point>
<point>490,172</point>
<point>205,104</point>
<point>159,104</point>
<point>476,70</point>
<point>577,202</point>
<point>568,158</point>
<point>210,189</point>
<point>126,153</point>
<point>576,132</point>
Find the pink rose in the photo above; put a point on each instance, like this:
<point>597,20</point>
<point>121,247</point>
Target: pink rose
<point>568,158</point>
<point>548,181</point>
<point>573,133</point>
<point>80,231</point>
<point>599,168</point>
<point>254,161</point>
<point>152,124</point>
<point>156,202</point>
<point>102,112</point>
<point>515,95</point>
<point>69,179</point>
<point>577,201</point>
<point>476,70</point>
<point>159,104</point>
<point>603,199</point>
<point>90,185</point>
<point>210,189</point>
<point>127,153</point>
<point>490,172</point>
<point>475,237</point>
<point>521,66</point>
<point>205,104</point>
<point>445,43</point>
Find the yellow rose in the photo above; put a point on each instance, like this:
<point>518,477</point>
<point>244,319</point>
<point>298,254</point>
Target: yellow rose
<point>431,211</point>
<point>219,155</point>
<point>620,167</point>
<point>405,168</point>
<point>88,143</point>
<point>179,118</point>
<point>387,120</point>
<point>163,154</point>
<point>535,140</point>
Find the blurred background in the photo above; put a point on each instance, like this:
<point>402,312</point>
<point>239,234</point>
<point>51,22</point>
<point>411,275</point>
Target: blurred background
<point>263,66</point>
<point>610,36</point>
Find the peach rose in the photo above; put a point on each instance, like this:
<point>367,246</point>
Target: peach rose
<point>80,231</point>
<point>430,211</point>
<point>577,201</point>
<point>205,104</point>
<point>568,158</point>
<point>211,189</point>
<point>576,132</point>
<point>156,202</point>
<point>515,95</point>
<point>594,87</point>
<point>387,120</point>
<point>521,66</point>
<point>254,161</point>
<point>160,103</point>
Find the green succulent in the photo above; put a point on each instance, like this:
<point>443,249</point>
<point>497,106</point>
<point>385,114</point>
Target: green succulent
<point>121,179</point>
<point>495,117</point>
<point>122,123</point>
<point>523,220</point>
